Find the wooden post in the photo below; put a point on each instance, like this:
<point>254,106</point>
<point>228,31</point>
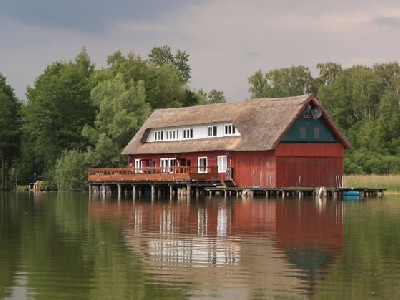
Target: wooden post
<point>300,194</point>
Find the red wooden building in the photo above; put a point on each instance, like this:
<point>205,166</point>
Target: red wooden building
<point>265,142</point>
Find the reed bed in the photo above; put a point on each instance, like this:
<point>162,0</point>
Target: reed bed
<point>389,182</point>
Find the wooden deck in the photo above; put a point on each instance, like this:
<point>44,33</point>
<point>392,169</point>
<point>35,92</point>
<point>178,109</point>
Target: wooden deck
<point>333,192</point>
<point>157,174</point>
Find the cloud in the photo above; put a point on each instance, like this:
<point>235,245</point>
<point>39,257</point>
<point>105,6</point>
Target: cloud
<point>227,40</point>
<point>91,16</point>
<point>391,22</point>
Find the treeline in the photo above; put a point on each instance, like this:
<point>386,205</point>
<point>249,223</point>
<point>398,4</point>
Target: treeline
<point>77,116</point>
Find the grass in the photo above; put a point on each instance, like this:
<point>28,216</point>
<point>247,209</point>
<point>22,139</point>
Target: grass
<point>389,182</point>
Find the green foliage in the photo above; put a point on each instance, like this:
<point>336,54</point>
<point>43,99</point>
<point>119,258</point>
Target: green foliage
<point>161,56</point>
<point>293,81</point>
<point>214,96</point>
<point>122,110</point>
<point>10,130</point>
<point>364,102</point>
<point>58,108</point>
<point>71,171</point>
<point>353,96</point>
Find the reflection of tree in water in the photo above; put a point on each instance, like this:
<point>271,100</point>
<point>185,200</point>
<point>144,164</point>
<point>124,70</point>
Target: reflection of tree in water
<point>12,219</point>
<point>312,262</point>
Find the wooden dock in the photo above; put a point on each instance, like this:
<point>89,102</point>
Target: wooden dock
<point>299,192</point>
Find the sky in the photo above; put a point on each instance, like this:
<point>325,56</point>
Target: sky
<point>227,40</point>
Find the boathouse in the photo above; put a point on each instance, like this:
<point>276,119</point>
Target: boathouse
<point>264,142</point>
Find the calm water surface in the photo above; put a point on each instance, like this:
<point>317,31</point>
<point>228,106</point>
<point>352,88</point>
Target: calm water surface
<point>67,246</point>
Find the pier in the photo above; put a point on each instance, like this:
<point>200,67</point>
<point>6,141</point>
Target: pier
<point>296,192</point>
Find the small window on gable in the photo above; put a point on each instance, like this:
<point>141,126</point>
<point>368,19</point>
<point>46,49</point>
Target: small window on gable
<point>303,133</point>
<point>230,129</point>
<point>212,130</point>
<point>316,133</point>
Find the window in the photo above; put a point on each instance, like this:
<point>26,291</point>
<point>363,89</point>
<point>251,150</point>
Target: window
<point>188,133</point>
<point>171,134</point>
<point>167,165</point>
<point>138,165</point>
<point>230,129</point>
<point>159,135</point>
<point>303,134</point>
<point>222,163</point>
<point>316,133</point>
<point>212,130</point>
<point>202,164</point>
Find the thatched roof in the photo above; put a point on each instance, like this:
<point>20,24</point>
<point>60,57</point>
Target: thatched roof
<point>262,122</point>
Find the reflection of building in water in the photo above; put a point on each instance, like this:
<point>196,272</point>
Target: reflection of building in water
<point>253,245</point>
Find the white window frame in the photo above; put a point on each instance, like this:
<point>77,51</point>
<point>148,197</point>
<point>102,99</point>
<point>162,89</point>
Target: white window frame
<point>138,165</point>
<point>167,165</point>
<point>212,131</point>
<point>171,134</point>
<point>187,133</point>
<point>230,129</point>
<point>158,135</point>
<point>222,162</point>
<point>200,167</point>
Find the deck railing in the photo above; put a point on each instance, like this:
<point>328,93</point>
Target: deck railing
<point>152,174</point>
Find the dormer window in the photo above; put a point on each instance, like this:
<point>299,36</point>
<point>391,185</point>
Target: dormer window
<point>171,134</point>
<point>230,129</point>
<point>188,133</point>
<point>212,130</point>
<point>159,135</point>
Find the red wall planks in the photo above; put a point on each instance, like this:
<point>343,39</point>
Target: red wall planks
<point>254,169</point>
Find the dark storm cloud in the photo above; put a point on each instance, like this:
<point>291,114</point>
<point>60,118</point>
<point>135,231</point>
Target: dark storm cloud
<point>85,15</point>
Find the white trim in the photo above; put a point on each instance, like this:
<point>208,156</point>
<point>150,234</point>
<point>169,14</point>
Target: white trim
<point>167,164</point>
<point>222,162</point>
<point>138,165</point>
<point>201,168</point>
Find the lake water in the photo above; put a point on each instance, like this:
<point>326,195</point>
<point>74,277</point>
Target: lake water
<point>67,246</point>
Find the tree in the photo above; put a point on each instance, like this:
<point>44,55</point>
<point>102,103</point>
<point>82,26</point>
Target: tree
<point>163,55</point>
<point>214,96</point>
<point>121,112</point>
<point>71,171</point>
<point>353,96</point>
<point>328,73</point>
<point>58,108</point>
<point>162,78</point>
<point>10,132</point>
<point>285,82</point>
